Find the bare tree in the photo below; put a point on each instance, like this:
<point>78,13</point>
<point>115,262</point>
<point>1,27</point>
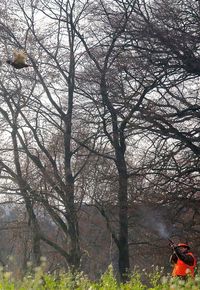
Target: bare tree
<point>38,104</point>
<point>115,97</point>
<point>164,35</point>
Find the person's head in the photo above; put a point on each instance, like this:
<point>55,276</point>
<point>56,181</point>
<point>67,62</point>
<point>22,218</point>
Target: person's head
<point>183,247</point>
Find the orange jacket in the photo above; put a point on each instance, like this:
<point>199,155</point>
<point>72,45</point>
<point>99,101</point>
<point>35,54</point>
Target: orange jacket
<point>182,269</point>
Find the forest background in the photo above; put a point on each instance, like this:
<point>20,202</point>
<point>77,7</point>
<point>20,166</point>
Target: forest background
<point>100,135</point>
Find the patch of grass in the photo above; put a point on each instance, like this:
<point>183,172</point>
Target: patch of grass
<point>39,280</point>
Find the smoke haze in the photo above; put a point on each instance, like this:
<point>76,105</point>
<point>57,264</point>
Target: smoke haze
<point>154,220</point>
<point>162,230</point>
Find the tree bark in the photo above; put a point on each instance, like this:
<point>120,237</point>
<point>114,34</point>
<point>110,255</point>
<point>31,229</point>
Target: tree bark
<point>71,214</point>
<point>123,261</point>
<point>34,225</point>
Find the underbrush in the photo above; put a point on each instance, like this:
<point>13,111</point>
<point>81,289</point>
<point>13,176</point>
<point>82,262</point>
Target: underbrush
<point>39,280</point>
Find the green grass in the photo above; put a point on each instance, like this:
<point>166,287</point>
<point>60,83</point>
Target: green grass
<point>68,281</point>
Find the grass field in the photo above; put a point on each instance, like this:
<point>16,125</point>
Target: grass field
<point>68,281</point>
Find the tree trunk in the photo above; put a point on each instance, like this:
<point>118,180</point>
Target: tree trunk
<point>71,215</point>
<point>123,247</point>
<point>35,229</point>
<point>35,234</point>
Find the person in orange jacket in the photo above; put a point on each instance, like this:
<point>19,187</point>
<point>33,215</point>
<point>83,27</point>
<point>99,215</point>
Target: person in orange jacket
<point>183,261</point>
